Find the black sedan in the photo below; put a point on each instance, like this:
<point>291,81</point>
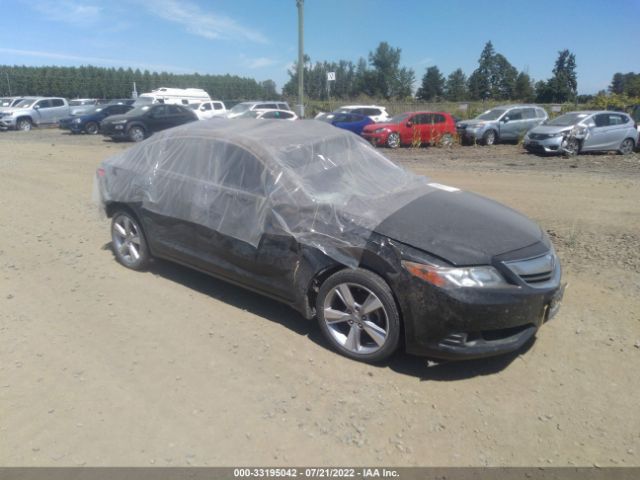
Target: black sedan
<point>90,122</point>
<point>315,217</point>
<point>145,120</point>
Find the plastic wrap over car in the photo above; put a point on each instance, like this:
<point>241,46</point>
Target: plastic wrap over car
<point>326,187</point>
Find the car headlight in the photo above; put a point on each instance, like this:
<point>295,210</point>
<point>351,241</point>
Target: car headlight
<point>77,120</point>
<point>380,130</point>
<point>457,277</point>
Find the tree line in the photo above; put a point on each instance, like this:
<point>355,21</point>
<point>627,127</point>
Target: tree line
<point>382,76</point>
<point>99,82</point>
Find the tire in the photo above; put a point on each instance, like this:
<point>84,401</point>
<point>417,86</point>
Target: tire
<point>136,133</point>
<point>24,124</point>
<point>92,128</point>
<point>128,241</point>
<point>446,140</point>
<point>627,146</point>
<point>489,138</point>
<point>572,147</point>
<point>393,140</point>
<point>358,315</point>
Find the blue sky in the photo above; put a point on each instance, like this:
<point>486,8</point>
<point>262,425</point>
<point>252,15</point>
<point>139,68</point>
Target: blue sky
<point>258,38</point>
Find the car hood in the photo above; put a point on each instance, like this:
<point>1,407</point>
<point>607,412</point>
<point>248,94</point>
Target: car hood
<point>375,126</point>
<point>460,227</point>
<point>547,129</point>
<point>473,121</point>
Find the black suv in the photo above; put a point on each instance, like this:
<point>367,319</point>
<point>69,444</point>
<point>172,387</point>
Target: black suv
<point>144,120</point>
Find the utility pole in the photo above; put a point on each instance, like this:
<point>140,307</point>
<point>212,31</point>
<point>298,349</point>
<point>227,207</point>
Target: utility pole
<point>8,83</point>
<point>300,5</point>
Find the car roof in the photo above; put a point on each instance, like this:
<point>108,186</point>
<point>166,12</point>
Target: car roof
<point>363,106</point>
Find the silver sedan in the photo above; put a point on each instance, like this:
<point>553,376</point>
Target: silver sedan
<point>584,131</point>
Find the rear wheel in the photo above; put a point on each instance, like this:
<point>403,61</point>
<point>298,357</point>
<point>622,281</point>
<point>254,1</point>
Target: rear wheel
<point>358,315</point>
<point>24,124</point>
<point>136,134</point>
<point>626,147</point>
<point>393,140</point>
<point>489,137</point>
<point>129,244</point>
<point>91,128</point>
<point>446,140</point>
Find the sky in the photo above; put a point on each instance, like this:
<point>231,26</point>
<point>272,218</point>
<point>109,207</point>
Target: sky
<point>259,38</point>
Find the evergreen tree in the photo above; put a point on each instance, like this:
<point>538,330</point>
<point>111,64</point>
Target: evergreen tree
<point>456,86</point>
<point>432,87</point>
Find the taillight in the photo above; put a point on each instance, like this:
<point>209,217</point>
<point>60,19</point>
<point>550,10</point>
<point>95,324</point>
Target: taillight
<point>101,172</point>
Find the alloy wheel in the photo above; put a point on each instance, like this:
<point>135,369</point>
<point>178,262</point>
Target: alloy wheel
<point>393,141</point>
<point>126,240</point>
<point>356,318</point>
<point>136,134</point>
<point>627,147</point>
<point>91,128</point>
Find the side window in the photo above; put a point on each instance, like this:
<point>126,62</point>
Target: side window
<point>44,104</point>
<point>159,111</point>
<point>287,115</point>
<point>271,115</point>
<point>236,168</point>
<point>217,106</point>
<point>541,113</point>
<point>185,101</point>
<point>283,106</point>
<point>438,118</point>
<point>174,110</point>
<point>57,102</point>
<point>528,113</point>
<point>266,105</point>
<point>372,111</point>
<point>515,114</point>
<point>602,120</point>
<point>617,119</point>
<point>206,106</point>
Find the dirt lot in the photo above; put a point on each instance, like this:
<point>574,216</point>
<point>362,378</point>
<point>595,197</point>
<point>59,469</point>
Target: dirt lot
<point>100,365</point>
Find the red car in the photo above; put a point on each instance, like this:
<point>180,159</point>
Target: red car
<point>412,128</point>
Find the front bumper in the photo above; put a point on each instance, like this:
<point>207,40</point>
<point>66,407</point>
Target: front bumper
<point>547,145</point>
<point>114,131</point>
<point>8,122</point>
<point>473,134</point>
<point>456,324</point>
<point>376,139</point>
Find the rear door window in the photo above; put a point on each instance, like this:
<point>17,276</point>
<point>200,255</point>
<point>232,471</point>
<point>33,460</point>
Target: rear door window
<point>529,113</point>
<point>515,114</point>
<point>44,104</point>
<point>57,102</point>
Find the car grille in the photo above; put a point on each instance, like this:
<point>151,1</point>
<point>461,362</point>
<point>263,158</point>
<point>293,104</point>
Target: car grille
<point>537,271</point>
<point>539,136</point>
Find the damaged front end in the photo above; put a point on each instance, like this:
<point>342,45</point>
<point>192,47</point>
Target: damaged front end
<point>573,139</point>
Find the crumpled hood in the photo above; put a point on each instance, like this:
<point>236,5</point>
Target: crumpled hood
<point>550,129</point>
<point>460,227</point>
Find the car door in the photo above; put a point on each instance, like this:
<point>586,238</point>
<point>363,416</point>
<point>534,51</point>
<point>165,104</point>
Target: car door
<point>177,116</point>
<point>237,212</point>
<point>512,124</point>
<point>156,118</point>
<point>43,112</point>
<point>409,129</point>
<point>59,110</point>
<point>607,132</point>
<point>529,119</point>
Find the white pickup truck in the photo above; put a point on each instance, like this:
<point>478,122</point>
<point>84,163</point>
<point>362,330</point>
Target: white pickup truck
<point>210,109</point>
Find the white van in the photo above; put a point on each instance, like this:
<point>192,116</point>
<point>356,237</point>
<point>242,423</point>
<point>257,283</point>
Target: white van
<point>176,96</point>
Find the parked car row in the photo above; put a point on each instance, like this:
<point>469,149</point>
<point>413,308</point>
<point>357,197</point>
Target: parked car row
<point>567,134</point>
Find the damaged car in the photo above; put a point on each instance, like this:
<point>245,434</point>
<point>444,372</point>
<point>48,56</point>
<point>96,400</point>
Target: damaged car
<point>585,131</point>
<point>315,217</point>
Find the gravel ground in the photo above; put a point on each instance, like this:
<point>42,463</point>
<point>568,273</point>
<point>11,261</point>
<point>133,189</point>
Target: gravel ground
<point>100,365</point>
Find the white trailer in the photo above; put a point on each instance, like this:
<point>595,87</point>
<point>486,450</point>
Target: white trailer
<point>178,96</point>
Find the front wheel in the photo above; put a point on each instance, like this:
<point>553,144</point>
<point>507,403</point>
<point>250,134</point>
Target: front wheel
<point>571,147</point>
<point>393,140</point>
<point>129,244</point>
<point>446,140</point>
<point>91,128</point>
<point>24,124</point>
<point>489,137</point>
<point>358,315</point>
<point>136,134</point>
<point>626,147</point>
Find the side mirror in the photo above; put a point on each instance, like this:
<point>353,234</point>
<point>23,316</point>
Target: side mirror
<point>409,124</point>
<point>505,119</point>
<point>36,107</point>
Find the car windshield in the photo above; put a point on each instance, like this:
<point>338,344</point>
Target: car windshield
<point>241,108</point>
<point>250,114</point>
<point>398,118</point>
<point>139,110</point>
<point>568,119</point>
<point>493,114</point>
<point>26,103</point>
